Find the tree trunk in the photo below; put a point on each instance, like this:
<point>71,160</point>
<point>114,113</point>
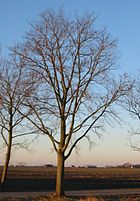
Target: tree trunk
<point>7,160</point>
<point>60,175</point>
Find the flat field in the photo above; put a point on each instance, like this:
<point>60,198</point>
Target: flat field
<point>43,179</point>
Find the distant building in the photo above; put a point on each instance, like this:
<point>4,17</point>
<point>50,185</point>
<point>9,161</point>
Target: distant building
<point>91,166</point>
<point>136,166</point>
<point>73,166</point>
<point>126,165</point>
<point>48,165</point>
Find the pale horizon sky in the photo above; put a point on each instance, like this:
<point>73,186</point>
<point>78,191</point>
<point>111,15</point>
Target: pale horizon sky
<point>121,18</point>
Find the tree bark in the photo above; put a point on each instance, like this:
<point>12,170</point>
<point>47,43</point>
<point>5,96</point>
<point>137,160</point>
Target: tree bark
<point>60,191</point>
<point>7,160</point>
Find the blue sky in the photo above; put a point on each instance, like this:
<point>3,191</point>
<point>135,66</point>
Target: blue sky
<point>121,17</point>
<point>122,20</point>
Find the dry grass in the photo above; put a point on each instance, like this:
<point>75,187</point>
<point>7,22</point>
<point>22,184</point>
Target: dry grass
<point>52,198</point>
<point>91,199</point>
<point>110,198</point>
<point>68,199</point>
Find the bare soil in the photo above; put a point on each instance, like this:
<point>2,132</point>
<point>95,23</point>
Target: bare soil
<point>25,179</point>
<point>43,179</point>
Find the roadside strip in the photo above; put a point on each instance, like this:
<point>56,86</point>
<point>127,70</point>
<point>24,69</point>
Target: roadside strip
<point>73,193</point>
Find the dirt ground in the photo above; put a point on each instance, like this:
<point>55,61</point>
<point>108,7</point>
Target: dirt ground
<point>25,179</point>
<point>43,179</point>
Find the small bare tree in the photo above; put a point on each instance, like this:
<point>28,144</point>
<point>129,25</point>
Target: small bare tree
<point>15,87</point>
<point>132,105</point>
<point>77,92</point>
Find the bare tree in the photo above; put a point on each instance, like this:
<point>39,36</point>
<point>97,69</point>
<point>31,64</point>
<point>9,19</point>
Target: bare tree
<point>15,87</point>
<point>132,105</point>
<point>77,92</point>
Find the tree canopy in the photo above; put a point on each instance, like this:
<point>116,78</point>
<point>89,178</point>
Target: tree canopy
<point>77,90</point>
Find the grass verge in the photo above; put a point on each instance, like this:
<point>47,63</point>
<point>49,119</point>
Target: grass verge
<point>90,198</point>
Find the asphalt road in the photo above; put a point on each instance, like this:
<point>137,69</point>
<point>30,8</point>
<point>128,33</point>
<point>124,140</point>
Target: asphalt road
<point>73,193</point>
